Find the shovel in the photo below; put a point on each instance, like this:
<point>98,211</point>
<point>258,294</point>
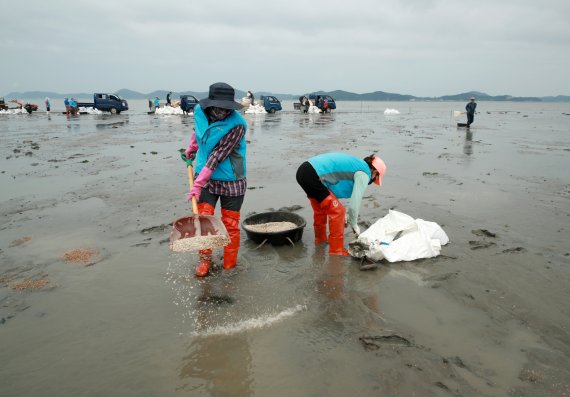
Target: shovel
<point>197,232</point>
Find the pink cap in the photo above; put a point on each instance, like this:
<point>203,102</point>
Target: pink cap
<point>378,163</point>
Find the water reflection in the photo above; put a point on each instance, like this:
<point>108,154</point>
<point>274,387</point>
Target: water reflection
<point>221,365</point>
<point>331,284</point>
<point>345,294</point>
<point>325,119</point>
<point>272,121</point>
<point>468,144</point>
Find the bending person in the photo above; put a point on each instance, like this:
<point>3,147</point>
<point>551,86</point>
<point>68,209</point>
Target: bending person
<point>331,176</point>
<point>218,144</point>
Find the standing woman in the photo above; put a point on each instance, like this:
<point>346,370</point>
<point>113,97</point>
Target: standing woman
<point>218,144</point>
<point>331,176</point>
<point>67,108</point>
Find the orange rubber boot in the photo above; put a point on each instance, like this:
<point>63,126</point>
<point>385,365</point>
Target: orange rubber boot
<point>205,261</point>
<point>319,221</point>
<point>231,222</point>
<point>335,212</point>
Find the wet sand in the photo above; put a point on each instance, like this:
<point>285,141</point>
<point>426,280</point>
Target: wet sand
<point>489,317</point>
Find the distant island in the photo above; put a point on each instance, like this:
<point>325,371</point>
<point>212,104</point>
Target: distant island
<point>338,95</point>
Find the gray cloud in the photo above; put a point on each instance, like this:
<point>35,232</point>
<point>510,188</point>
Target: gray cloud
<point>418,47</point>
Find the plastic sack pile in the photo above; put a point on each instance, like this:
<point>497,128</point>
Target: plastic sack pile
<point>389,111</point>
<point>399,237</point>
<point>89,110</point>
<point>314,109</point>
<point>168,110</point>
<point>255,109</point>
<point>14,111</point>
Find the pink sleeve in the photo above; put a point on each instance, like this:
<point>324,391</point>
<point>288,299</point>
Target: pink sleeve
<point>193,146</point>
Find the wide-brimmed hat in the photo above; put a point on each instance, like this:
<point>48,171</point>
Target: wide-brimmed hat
<point>221,95</point>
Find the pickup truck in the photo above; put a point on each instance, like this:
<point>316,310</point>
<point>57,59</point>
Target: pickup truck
<point>188,103</point>
<point>319,101</point>
<point>270,103</point>
<point>29,107</point>
<point>106,103</point>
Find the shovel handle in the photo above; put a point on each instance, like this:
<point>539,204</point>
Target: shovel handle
<point>190,170</point>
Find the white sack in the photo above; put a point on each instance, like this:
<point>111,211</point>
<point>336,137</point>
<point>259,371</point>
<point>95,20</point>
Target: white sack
<point>89,110</point>
<point>419,238</point>
<point>256,109</point>
<point>168,110</point>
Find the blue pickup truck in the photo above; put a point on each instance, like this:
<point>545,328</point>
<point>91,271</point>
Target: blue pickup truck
<point>188,103</point>
<point>270,103</point>
<point>324,102</point>
<point>106,103</point>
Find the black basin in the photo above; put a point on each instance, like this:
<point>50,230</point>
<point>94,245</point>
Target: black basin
<point>277,238</point>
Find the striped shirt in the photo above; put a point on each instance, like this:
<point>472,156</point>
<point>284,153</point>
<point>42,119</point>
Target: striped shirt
<point>221,151</point>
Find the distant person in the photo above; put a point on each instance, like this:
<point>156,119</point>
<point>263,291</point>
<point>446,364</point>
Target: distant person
<point>67,107</point>
<point>156,103</point>
<point>320,103</point>
<point>48,104</point>
<point>470,108</point>
<point>304,103</point>
<point>251,97</point>
<point>150,105</point>
<point>73,107</point>
<point>168,98</point>
<point>326,105</point>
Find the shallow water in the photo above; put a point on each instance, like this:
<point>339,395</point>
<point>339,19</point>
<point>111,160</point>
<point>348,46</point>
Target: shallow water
<point>289,320</point>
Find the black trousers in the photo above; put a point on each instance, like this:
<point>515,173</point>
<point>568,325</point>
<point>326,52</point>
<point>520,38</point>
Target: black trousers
<point>470,117</point>
<point>310,182</point>
<point>232,203</point>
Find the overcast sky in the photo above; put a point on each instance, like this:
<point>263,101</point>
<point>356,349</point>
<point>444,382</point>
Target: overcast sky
<point>418,47</point>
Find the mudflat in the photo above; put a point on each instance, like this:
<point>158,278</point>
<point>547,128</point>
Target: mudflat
<point>93,301</point>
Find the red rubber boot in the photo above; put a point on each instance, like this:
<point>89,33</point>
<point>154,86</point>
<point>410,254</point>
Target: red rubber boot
<point>319,221</point>
<point>335,212</point>
<point>231,222</point>
<point>205,261</point>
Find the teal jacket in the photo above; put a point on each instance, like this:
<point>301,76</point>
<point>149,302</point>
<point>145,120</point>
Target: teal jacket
<point>336,171</point>
<point>345,176</point>
<point>208,135</point>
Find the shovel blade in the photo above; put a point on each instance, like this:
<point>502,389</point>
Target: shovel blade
<point>201,231</point>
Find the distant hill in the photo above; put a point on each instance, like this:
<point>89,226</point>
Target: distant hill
<point>481,96</point>
<point>43,94</point>
<point>558,98</point>
<point>339,95</point>
<point>130,94</point>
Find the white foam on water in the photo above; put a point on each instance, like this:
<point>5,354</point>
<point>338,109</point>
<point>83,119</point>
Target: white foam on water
<point>253,323</point>
<point>14,111</point>
<point>391,111</point>
<point>169,110</point>
<point>256,109</point>
<point>90,110</point>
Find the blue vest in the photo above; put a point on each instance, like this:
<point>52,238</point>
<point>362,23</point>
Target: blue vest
<point>208,135</point>
<point>336,171</point>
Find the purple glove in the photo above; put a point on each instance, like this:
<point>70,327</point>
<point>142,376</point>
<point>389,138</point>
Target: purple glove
<point>192,148</point>
<point>200,182</point>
